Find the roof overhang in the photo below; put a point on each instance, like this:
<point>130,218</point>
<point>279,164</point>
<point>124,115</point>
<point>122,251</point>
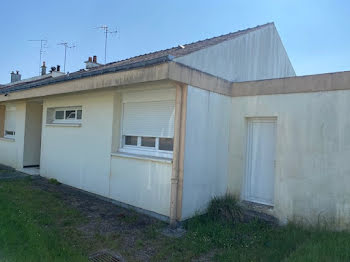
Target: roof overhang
<point>168,70</point>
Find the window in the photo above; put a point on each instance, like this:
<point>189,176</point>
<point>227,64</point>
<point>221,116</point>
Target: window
<point>148,127</point>
<point>10,122</point>
<point>69,115</point>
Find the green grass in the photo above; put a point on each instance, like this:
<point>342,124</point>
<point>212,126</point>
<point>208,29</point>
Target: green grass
<point>37,226</point>
<point>34,225</point>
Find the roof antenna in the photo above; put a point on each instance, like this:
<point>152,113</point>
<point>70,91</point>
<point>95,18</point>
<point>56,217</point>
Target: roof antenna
<point>65,44</point>
<point>43,44</point>
<point>106,32</point>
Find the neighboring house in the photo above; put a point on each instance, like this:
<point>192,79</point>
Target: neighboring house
<point>167,131</point>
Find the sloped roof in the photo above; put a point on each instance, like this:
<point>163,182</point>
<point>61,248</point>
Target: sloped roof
<point>133,62</point>
<point>185,49</point>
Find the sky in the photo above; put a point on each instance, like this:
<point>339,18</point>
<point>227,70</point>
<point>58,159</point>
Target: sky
<point>315,34</point>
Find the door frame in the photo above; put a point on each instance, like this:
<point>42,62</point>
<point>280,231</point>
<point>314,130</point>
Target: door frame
<point>246,192</point>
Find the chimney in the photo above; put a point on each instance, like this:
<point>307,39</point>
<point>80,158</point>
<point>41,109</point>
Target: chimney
<point>15,77</point>
<point>91,62</point>
<point>58,68</point>
<point>43,69</point>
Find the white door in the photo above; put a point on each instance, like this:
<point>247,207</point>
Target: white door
<point>260,170</point>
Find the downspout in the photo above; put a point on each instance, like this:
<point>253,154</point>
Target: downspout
<point>176,157</point>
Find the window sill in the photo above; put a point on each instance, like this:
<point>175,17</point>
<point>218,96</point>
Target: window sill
<point>6,139</point>
<point>65,125</point>
<point>142,157</point>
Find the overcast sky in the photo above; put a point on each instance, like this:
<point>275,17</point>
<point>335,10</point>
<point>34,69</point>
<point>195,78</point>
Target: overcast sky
<point>316,34</point>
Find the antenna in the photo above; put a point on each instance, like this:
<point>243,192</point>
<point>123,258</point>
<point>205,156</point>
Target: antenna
<point>106,32</point>
<point>43,43</point>
<point>65,44</point>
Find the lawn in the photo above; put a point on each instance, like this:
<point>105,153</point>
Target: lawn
<point>40,223</point>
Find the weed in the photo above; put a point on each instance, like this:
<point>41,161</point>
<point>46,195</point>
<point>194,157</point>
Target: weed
<point>54,181</point>
<point>225,209</point>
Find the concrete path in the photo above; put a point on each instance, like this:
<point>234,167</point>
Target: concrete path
<point>10,173</point>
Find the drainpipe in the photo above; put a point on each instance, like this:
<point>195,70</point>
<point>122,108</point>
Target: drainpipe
<point>176,150</point>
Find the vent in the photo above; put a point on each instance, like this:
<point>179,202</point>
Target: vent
<point>105,256</point>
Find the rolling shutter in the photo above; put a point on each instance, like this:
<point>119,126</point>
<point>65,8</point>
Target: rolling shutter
<point>153,118</point>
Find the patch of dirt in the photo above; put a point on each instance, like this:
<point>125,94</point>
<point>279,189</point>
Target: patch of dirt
<point>107,219</point>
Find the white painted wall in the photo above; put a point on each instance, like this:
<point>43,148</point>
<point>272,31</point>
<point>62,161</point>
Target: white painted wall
<point>256,55</point>
<point>141,183</point>
<point>11,151</point>
<point>206,149</point>
<point>80,156</point>
<point>32,138</point>
<point>312,150</point>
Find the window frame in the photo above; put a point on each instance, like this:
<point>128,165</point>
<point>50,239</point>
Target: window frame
<point>144,150</point>
<point>65,120</point>
<point>5,135</point>
<point>138,149</point>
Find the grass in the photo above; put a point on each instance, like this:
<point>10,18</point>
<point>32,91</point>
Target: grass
<point>37,226</point>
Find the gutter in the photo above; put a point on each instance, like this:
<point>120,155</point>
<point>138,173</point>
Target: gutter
<point>76,75</point>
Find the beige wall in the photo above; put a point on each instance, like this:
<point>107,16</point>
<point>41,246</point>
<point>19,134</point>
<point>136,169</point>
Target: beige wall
<point>32,138</point>
<point>312,153</point>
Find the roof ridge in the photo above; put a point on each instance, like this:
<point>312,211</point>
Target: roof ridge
<point>235,33</point>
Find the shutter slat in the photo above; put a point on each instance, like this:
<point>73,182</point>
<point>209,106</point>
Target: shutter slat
<point>154,119</point>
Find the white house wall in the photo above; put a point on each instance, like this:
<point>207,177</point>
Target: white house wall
<point>256,55</point>
<point>312,153</point>
<point>85,156</point>
<point>206,149</point>
<point>11,151</point>
<point>141,183</point>
<point>80,156</point>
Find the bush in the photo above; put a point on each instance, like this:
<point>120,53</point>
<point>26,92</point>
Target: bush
<point>225,209</point>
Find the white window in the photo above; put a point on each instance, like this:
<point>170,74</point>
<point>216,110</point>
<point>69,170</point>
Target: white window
<point>148,127</point>
<point>10,122</point>
<point>68,115</point>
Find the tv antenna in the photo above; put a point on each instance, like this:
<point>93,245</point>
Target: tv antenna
<point>65,44</point>
<point>106,32</point>
<point>43,45</point>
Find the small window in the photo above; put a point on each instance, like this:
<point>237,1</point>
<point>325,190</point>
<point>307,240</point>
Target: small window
<point>10,122</point>
<point>79,114</point>
<point>9,133</point>
<point>59,115</point>
<point>131,140</point>
<point>69,115</point>
<point>148,141</point>
<point>166,144</point>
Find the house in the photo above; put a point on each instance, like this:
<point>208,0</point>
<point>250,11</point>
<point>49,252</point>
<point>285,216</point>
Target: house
<point>166,131</point>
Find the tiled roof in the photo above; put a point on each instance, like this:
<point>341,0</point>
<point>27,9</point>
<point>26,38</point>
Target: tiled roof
<point>182,50</point>
<point>136,61</point>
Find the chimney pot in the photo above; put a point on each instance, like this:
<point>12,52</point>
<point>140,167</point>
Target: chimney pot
<point>15,76</point>
<point>90,59</point>
<point>94,59</point>
<point>43,69</point>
